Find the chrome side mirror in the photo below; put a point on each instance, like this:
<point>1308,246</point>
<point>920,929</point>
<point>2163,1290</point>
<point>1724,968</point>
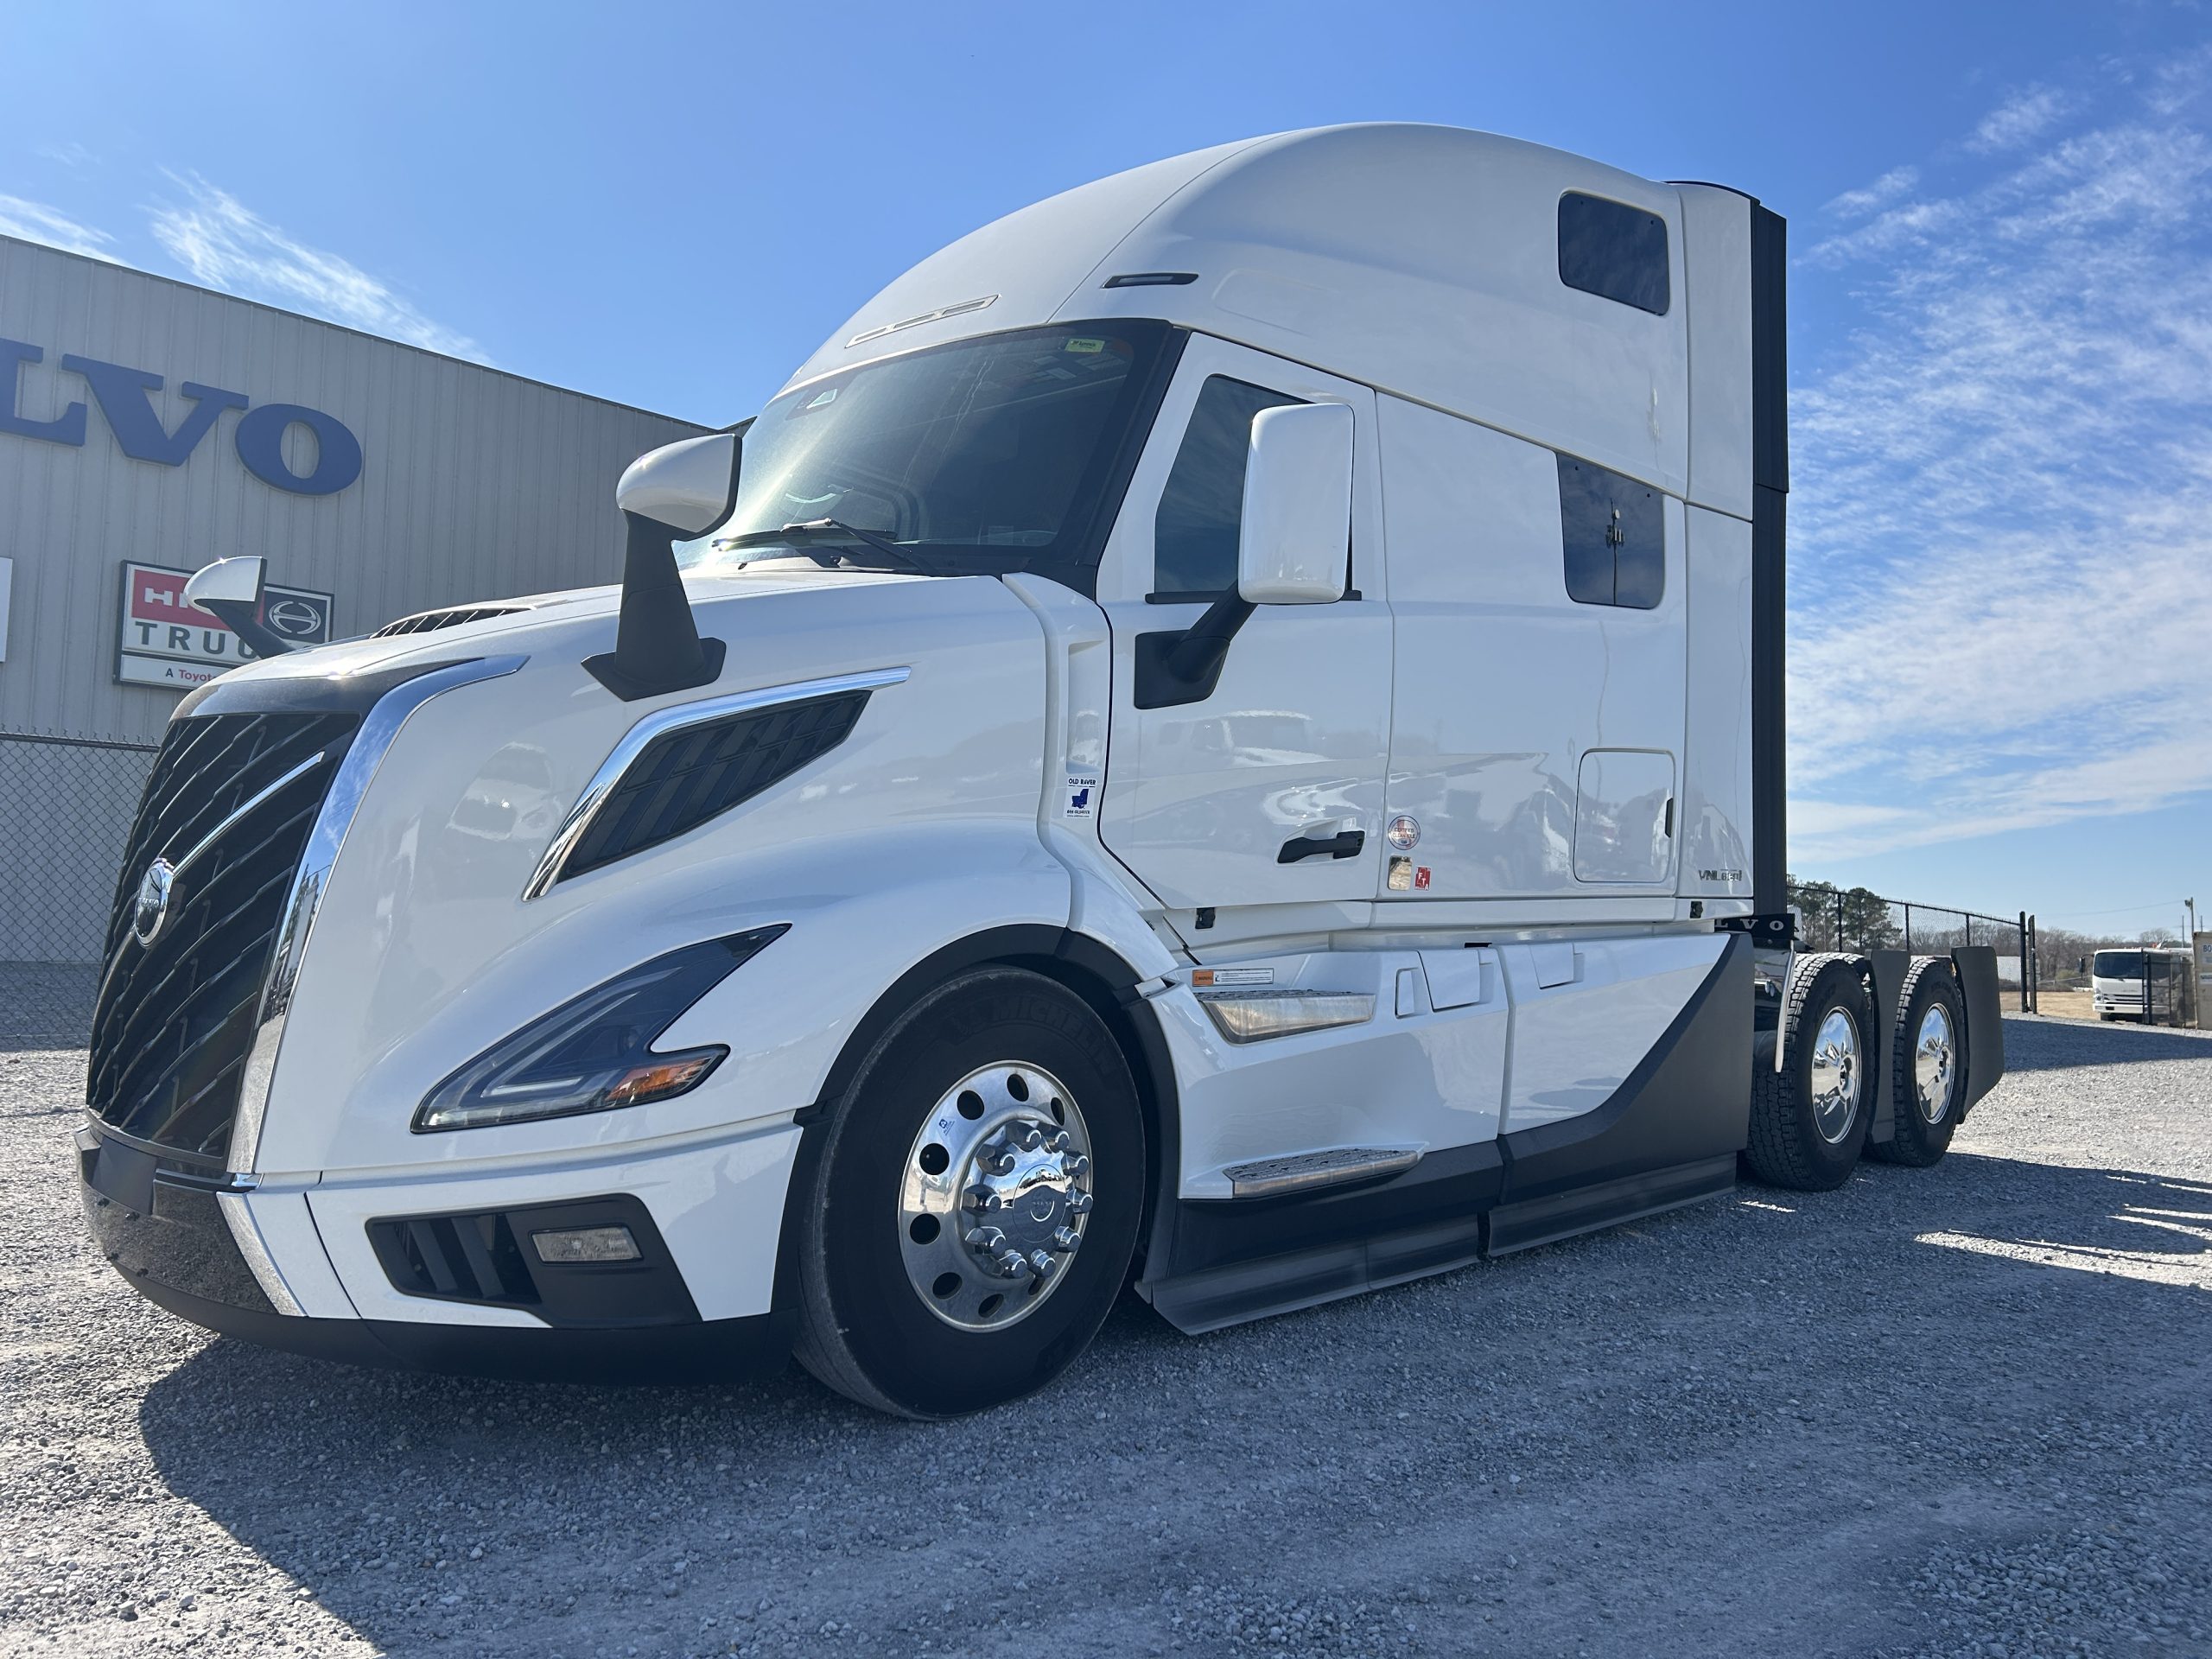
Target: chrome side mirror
<point>230,591</point>
<point>236,581</point>
<point>1297,524</point>
<point>689,486</point>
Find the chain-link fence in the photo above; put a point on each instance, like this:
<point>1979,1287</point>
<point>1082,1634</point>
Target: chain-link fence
<point>1839,918</point>
<point>69,806</point>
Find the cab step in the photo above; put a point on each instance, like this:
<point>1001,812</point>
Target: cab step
<point>1301,1171</point>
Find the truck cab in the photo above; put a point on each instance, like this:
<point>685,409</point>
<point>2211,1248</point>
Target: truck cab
<point>1222,733</point>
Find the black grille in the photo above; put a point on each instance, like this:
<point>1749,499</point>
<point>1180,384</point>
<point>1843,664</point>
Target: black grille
<point>685,777</point>
<point>431,621</point>
<point>176,1018</point>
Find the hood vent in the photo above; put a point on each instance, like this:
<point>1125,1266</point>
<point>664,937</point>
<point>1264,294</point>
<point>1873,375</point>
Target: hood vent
<point>452,617</point>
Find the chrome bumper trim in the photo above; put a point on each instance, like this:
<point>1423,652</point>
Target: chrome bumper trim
<point>379,728</point>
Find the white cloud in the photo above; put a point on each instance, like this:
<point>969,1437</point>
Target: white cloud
<point>227,245</point>
<point>34,221</point>
<point>2026,115</point>
<point>68,153</point>
<point>1857,204</point>
<point>2001,522</point>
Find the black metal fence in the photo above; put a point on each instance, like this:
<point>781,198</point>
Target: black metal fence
<point>69,803</point>
<point>1853,918</point>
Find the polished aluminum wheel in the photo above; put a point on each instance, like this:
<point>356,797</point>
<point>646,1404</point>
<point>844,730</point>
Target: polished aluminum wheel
<point>995,1196</point>
<point>1835,1077</point>
<point>1933,1062</point>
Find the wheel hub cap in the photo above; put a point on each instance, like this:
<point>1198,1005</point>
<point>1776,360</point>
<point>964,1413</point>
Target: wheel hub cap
<point>995,1196</point>
<point>1835,1077</point>
<point>1932,1062</point>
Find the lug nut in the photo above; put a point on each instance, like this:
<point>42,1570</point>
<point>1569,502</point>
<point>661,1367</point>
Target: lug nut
<point>1041,1264</point>
<point>1066,1238</point>
<point>1027,1137</point>
<point>984,1239</point>
<point>981,1198</point>
<point>1076,1164</point>
<point>1079,1203</point>
<point>1009,1264</point>
<point>1059,1143</point>
<point>1000,1163</point>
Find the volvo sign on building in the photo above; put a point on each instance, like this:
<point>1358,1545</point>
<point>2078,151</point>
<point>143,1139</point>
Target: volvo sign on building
<point>148,427</point>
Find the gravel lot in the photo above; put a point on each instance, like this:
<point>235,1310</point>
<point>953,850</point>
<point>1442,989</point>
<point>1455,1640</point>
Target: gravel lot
<point>1960,1411</point>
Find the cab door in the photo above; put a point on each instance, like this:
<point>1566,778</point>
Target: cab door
<point>1266,791</point>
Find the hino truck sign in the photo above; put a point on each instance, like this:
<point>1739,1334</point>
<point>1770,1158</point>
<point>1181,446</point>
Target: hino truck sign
<point>161,641</point>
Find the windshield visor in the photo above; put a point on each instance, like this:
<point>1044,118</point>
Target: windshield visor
<point>1000,447</point>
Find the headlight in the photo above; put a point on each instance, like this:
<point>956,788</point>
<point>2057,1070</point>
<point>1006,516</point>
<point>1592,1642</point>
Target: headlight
<point>594,1052</point>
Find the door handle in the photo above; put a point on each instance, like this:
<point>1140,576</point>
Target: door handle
<point>1346,844</point>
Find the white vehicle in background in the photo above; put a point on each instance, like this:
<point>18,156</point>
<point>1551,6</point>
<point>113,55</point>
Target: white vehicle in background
<point>2120,982</point>
<point>1224,732</point>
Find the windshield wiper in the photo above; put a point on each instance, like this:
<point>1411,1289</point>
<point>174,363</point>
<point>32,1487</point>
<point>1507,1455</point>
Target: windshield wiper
<point>826,529</point>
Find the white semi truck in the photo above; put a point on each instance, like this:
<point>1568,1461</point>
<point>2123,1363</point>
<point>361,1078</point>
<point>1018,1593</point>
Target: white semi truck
<point>1224,734</point>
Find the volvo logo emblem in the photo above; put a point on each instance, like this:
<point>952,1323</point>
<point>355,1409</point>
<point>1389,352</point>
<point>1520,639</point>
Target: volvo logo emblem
<point>153,903</point>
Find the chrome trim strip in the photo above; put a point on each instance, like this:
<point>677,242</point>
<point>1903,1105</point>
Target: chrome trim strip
<point>254,1249</point>
<point>1267,1177</point>
<point>672,718</point>
<point>379,728</point>
<point>223,828</point>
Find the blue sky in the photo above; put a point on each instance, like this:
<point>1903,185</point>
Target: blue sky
<point>2001,222</point>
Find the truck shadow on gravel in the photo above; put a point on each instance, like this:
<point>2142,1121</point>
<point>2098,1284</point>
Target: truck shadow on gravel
<point>2051,1044</point>
<point>431,1513</point>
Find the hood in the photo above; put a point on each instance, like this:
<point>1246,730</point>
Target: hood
<point>581,619</point>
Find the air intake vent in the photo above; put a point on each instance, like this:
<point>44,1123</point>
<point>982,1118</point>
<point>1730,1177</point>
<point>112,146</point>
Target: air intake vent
<point>454,1258</point>
<point>229,805</point>
<point>687,775</point>
<point>431,621</point>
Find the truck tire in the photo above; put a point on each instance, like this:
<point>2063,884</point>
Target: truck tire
<point>1928,1051</point>
<point>973,1213</point>
<point>1809,1118</point>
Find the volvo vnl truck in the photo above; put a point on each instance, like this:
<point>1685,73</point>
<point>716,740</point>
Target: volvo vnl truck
<point>1223,735</point>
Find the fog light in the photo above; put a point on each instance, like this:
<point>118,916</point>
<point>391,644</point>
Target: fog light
<point>564,1244</point>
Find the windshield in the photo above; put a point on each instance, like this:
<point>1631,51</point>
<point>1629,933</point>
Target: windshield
<point>999,449</point>
<point>2117,964</point>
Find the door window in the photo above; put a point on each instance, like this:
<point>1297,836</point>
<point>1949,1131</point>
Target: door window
<point>1201,509</point>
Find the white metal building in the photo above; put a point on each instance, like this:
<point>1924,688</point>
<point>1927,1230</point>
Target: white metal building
<point>148,425</point>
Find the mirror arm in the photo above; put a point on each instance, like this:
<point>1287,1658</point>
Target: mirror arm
<point>238,615</point>
<point>1202,649</point>
<point>657,644</point>
<point>1184,665</point>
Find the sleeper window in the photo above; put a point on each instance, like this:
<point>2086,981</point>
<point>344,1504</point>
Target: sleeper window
<point>1614,535</point>
<point>1194,535</point>
<point>1613,249</point>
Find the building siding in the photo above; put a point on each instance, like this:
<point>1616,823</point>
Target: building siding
<point>474,484</point>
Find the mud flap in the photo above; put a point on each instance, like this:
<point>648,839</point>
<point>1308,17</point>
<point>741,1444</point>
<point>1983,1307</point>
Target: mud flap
<point>1889,969</point>
<point>1977,971</point>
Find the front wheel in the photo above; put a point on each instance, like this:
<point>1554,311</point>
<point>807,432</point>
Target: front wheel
<point>1809,1118</point>
<point>976,1203</point>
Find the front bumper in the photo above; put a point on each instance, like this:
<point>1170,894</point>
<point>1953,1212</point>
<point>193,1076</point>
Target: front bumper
<point>317,1271</point>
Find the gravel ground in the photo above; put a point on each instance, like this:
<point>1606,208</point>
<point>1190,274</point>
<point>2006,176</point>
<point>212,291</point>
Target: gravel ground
<point>1958,1411</point>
